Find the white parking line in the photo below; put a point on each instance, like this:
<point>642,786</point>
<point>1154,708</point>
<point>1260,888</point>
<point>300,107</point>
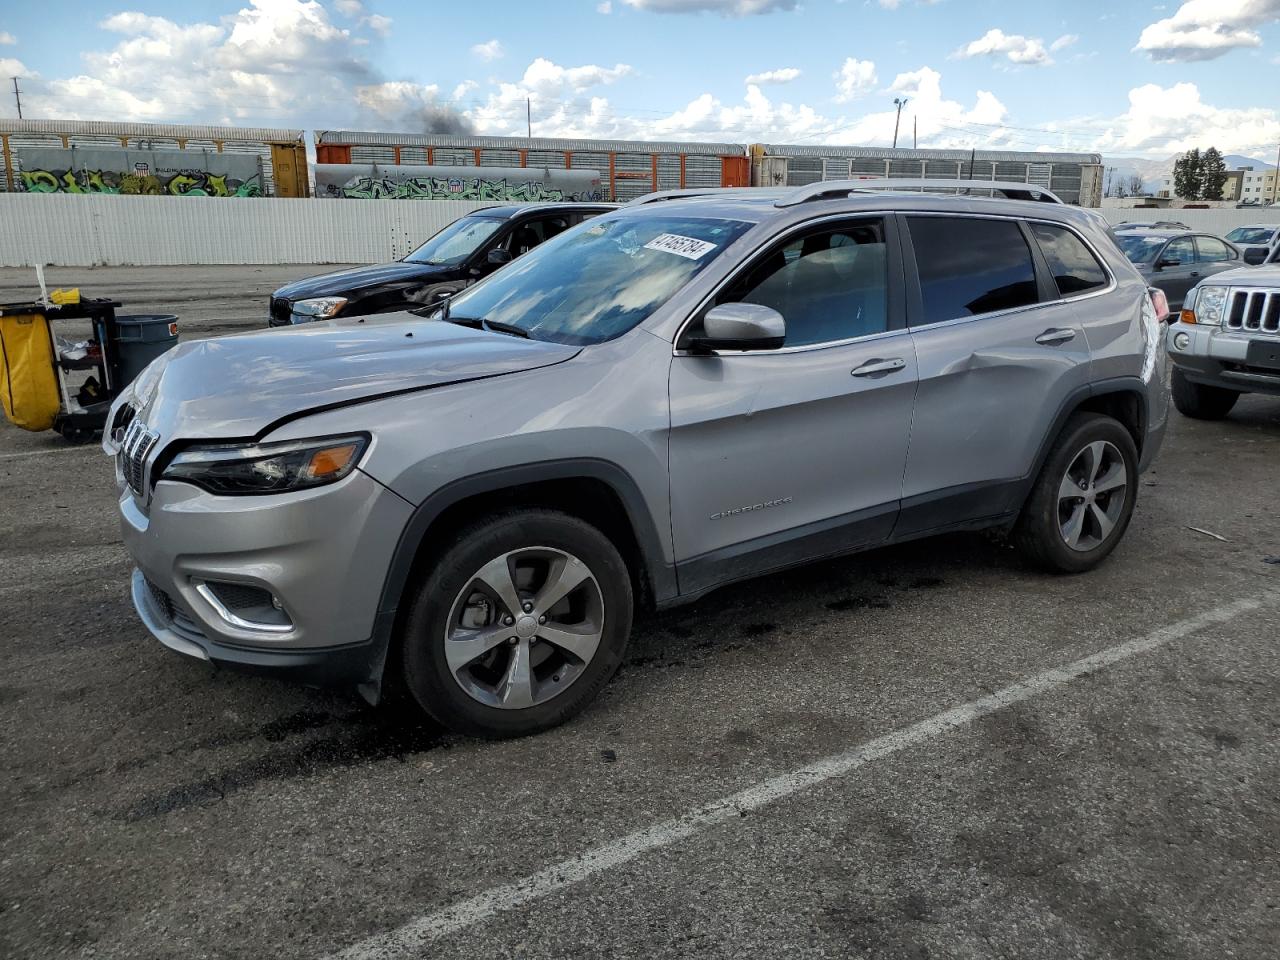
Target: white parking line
<point>51,450</point>
<point>409,939</point>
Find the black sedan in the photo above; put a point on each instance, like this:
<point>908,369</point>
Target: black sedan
<point>1176,260</point>
<point>460,254</point>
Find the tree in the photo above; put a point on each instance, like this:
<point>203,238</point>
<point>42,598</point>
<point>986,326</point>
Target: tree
<point>1213,174</point>
<point>1133,184</point>
<point>1188,175</point>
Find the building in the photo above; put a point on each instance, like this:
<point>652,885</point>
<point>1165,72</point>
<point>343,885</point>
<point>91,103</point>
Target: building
<point>627,168</point>
<point>90,156</point>
<point>1258,186</point>
<point>1075,177</point>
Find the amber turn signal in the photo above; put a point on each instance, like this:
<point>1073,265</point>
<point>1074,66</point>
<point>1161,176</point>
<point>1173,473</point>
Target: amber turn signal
<point>331,460</point>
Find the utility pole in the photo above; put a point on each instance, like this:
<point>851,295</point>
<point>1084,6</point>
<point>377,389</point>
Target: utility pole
<point>900,102</point>
<point>528,117</point>
<point>17,96</point>
<point>1275,183</point>
<point>915,129</point>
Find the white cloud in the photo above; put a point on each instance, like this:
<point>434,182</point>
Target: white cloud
<point>726,8</point>
<point>378,24</point>
<point>462,89</point>
<point>783,75</point>
<point>9,67</point>
<point>1017,48</point>
<point>1205,29</point>
<point>351,8</point>
<point>7,39</point>
<point>273,62</point>
<point>1064,41</point>
<point>854,78</point>
<point>489,50</point>
<point>606,7</point>
<point>1165,120</point>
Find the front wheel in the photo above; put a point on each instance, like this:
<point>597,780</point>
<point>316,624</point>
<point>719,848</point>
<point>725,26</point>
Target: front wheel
<point>519,624</point>
<point>1201,402</point>
<point>1083,499</point>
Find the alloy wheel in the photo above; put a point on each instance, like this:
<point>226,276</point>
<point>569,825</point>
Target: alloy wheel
<point>524,627</point>
<point>1091,496</point>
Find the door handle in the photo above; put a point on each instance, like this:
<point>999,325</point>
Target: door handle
<point>872,367</point>
<point>1051,338</point>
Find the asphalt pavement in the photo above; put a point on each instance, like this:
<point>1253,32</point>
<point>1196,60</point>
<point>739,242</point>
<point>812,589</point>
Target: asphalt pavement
<point>927,751</point>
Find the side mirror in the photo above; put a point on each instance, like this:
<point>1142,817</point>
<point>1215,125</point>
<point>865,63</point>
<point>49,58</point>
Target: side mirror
<point>1255,256</point>
<point>1166,262</point>
<point>497,257</point>
<point>740,326</point>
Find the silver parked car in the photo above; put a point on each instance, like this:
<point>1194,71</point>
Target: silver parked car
<point>683,393</point>
<point>1227,342</point>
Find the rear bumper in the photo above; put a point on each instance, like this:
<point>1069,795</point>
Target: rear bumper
<point>1215,357</point>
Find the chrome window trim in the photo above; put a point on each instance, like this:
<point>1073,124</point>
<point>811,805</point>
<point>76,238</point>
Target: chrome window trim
<point>798,348</point>
<point>1112,283</point>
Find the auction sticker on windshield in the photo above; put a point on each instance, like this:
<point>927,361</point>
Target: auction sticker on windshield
<point>688,247</point>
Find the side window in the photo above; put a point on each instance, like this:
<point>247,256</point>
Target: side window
<point>1212,249</point>
<point>1075,269</point>
<point>1182,251</point>
<point>828,285</point>
<point>525,237</point>
<point>969,267</point>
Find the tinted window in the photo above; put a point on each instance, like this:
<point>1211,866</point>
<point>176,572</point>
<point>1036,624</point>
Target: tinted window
<point>530,233</point>
<point>828,286</point>
<point>597,281</point>
<point>1140,247</point>
<point>1212,249</point>
<point>1074,268</point>
<point>1251,235</point>
<point>1182,250</point>
<point>968,267</point>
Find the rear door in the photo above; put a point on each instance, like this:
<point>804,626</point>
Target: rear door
<point>1214,256</point>
<point>999,353</point>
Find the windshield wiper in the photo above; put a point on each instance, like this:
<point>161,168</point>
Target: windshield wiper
<point>497,326</point>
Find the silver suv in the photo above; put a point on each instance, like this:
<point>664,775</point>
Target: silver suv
<point>685,392</point>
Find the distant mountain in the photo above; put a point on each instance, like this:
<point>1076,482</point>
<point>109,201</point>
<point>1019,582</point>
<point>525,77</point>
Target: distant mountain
<point>1154,171</point>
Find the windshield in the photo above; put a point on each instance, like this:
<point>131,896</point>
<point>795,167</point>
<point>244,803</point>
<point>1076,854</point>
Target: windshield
<point>597,281</point>
<point>1251,235</point>
<point>456,242</point>
<point>1140,247</point>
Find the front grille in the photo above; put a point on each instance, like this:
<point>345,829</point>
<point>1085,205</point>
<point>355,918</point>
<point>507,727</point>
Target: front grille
<point>1254,310</point>
<point>133,461</point>
<point>173,615</point>
<point>163,604</point>
<point>279,313</point>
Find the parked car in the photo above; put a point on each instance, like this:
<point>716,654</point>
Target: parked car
<point>671,397</point>
<point>465,251</point>
<point>1176,260</point>
<point>1256,241</point>
<point>1152,225</point>
<point>1226,342</point>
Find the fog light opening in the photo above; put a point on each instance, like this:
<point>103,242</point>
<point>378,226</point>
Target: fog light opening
<point>1181,341</point>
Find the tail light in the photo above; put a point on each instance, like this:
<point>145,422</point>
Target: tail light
<point>1160,302</point>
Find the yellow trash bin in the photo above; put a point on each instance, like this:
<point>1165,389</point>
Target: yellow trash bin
<point>28,383</point>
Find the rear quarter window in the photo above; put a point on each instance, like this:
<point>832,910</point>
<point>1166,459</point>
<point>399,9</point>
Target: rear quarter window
<point>969,267</point>
<point>1074,267</point>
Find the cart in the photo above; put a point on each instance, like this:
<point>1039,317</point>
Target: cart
<point>81,411</point>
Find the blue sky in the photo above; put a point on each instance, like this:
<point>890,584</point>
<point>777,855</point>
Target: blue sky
<point>1122,78</point>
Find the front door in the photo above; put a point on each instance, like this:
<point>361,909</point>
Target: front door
<point>1179,272</point>
<point>779,456</point>
<point>999,354</point>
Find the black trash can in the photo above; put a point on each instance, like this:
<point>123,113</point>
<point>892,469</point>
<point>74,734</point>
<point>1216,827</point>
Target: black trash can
<point>139,339</point>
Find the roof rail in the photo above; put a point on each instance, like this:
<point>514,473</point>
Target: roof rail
<point>1009,189</point>
<point>661,195</point>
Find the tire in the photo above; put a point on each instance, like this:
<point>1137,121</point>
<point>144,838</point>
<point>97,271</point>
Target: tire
<point>1094,448</point>
<point>1200,402</point>
<point>513,689</point>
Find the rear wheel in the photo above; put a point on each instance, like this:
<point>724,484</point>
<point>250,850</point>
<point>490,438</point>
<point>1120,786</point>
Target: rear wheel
<point>1199,401</point>
<point>519,624</point>
<point>1083,499</point>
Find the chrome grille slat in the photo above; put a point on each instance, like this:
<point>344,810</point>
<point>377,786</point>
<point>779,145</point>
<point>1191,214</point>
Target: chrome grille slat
<point>1251,311</point>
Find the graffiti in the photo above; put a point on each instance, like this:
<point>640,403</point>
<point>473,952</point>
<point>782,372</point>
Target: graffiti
<point>409,182</point>
<point>183,183</point>
<point>148,173</point>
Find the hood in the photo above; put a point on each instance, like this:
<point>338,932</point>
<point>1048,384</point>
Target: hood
<point>346,281</point>
<point>1262,276</point>
<point>236,386</point>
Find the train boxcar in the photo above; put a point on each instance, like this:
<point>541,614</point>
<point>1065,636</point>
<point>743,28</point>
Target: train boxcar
<point>91,156</point>
<point>388,181</point>
<point>1075,177</point>
<point>628,168</point>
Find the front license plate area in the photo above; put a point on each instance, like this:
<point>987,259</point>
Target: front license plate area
<point>1264,353</point>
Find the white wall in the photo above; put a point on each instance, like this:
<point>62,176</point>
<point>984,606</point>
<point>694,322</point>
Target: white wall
<point>69,230</point>
<point>1219,221</point>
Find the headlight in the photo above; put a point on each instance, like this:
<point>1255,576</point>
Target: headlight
<point>234,469</point>
<point>321,308</point>
<point>1207,306</point>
